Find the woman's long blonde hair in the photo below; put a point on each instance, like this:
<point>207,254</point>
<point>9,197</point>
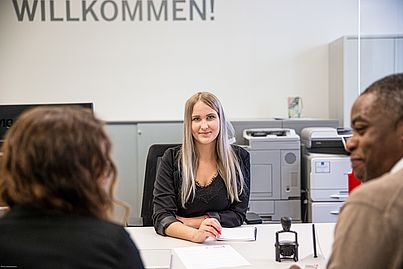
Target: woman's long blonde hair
<point>227,161</point>
<point>53,159</point>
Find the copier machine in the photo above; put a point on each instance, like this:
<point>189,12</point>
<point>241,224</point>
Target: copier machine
<point>325,168</point>
<point>275,173</point>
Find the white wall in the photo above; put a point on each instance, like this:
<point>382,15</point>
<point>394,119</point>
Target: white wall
<point>252,55</point>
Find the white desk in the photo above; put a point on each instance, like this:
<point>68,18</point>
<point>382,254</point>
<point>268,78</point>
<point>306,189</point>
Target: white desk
<point>156,250</point>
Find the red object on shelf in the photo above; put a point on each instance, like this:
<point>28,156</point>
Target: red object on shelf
<point>353,182</point>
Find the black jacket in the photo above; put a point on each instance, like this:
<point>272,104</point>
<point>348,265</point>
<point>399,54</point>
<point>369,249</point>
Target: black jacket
<point>211,200</point>
<point>31,238</point>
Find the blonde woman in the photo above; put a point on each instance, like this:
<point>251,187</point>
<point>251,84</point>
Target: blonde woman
<point>202,185</point>
<point>57,177</point>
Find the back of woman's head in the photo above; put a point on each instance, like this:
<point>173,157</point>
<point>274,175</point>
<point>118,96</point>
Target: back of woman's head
<point>55,158</point>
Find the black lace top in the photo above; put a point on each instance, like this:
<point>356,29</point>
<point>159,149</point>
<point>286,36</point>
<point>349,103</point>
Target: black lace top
<point>211,199</point>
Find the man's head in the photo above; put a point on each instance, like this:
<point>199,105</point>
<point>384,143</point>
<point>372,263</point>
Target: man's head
<point>377,123</point>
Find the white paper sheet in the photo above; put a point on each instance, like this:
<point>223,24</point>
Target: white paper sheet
<point>205,257</point>
<point>247,233</point>
<point>156,258</point>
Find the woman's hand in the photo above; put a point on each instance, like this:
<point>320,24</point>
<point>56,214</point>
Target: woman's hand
<point>194,222</point>
<point>209,227</point>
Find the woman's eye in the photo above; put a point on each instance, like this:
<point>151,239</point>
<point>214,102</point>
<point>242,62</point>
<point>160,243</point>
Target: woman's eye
<point>195,119</point>
<point>211,117</point>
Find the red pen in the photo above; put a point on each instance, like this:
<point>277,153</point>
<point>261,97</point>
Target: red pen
<point>218,231</point>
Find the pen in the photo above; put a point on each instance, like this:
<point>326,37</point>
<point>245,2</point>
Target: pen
<point>315,255</point>
<point>218,231</point>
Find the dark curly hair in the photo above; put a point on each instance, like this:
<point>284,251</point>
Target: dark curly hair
<point>54,158</point>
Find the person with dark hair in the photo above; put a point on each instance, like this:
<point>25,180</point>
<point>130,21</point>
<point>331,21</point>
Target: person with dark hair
<point>369,230</point>
<point>58,178</point>
<point>202,185</point>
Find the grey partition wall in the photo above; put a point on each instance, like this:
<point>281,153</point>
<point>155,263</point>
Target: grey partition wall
<point>153,133</point>
<point>124,153</point>
<point>131,141</point>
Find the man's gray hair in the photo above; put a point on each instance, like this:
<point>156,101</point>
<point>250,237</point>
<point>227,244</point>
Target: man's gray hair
<point>389,91</point>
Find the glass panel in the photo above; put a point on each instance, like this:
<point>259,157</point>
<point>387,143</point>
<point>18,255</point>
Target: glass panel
<point>381,40</point>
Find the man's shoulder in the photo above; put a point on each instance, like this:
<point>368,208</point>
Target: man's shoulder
<point>380,191</point>
<point>386,182</point>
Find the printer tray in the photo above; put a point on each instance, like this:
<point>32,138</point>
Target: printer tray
<point>328,150</point>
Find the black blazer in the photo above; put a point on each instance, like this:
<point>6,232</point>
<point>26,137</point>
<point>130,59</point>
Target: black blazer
<point>211,200</point>
<point>30,238</point>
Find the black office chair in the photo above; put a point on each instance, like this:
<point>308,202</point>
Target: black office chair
<point>154,155</point>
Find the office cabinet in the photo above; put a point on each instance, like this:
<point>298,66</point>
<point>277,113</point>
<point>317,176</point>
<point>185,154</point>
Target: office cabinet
<point>379,56</point>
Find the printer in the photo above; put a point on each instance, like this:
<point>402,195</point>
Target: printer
<point>275,173</point>
<point>325,169</point>
<point>325,140</point>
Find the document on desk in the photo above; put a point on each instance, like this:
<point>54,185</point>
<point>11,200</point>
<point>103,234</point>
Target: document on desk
<point>205,257</point>
<point>246,233</point>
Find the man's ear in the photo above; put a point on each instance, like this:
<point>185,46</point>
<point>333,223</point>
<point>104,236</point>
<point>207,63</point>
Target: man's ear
<point>399,129</point>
